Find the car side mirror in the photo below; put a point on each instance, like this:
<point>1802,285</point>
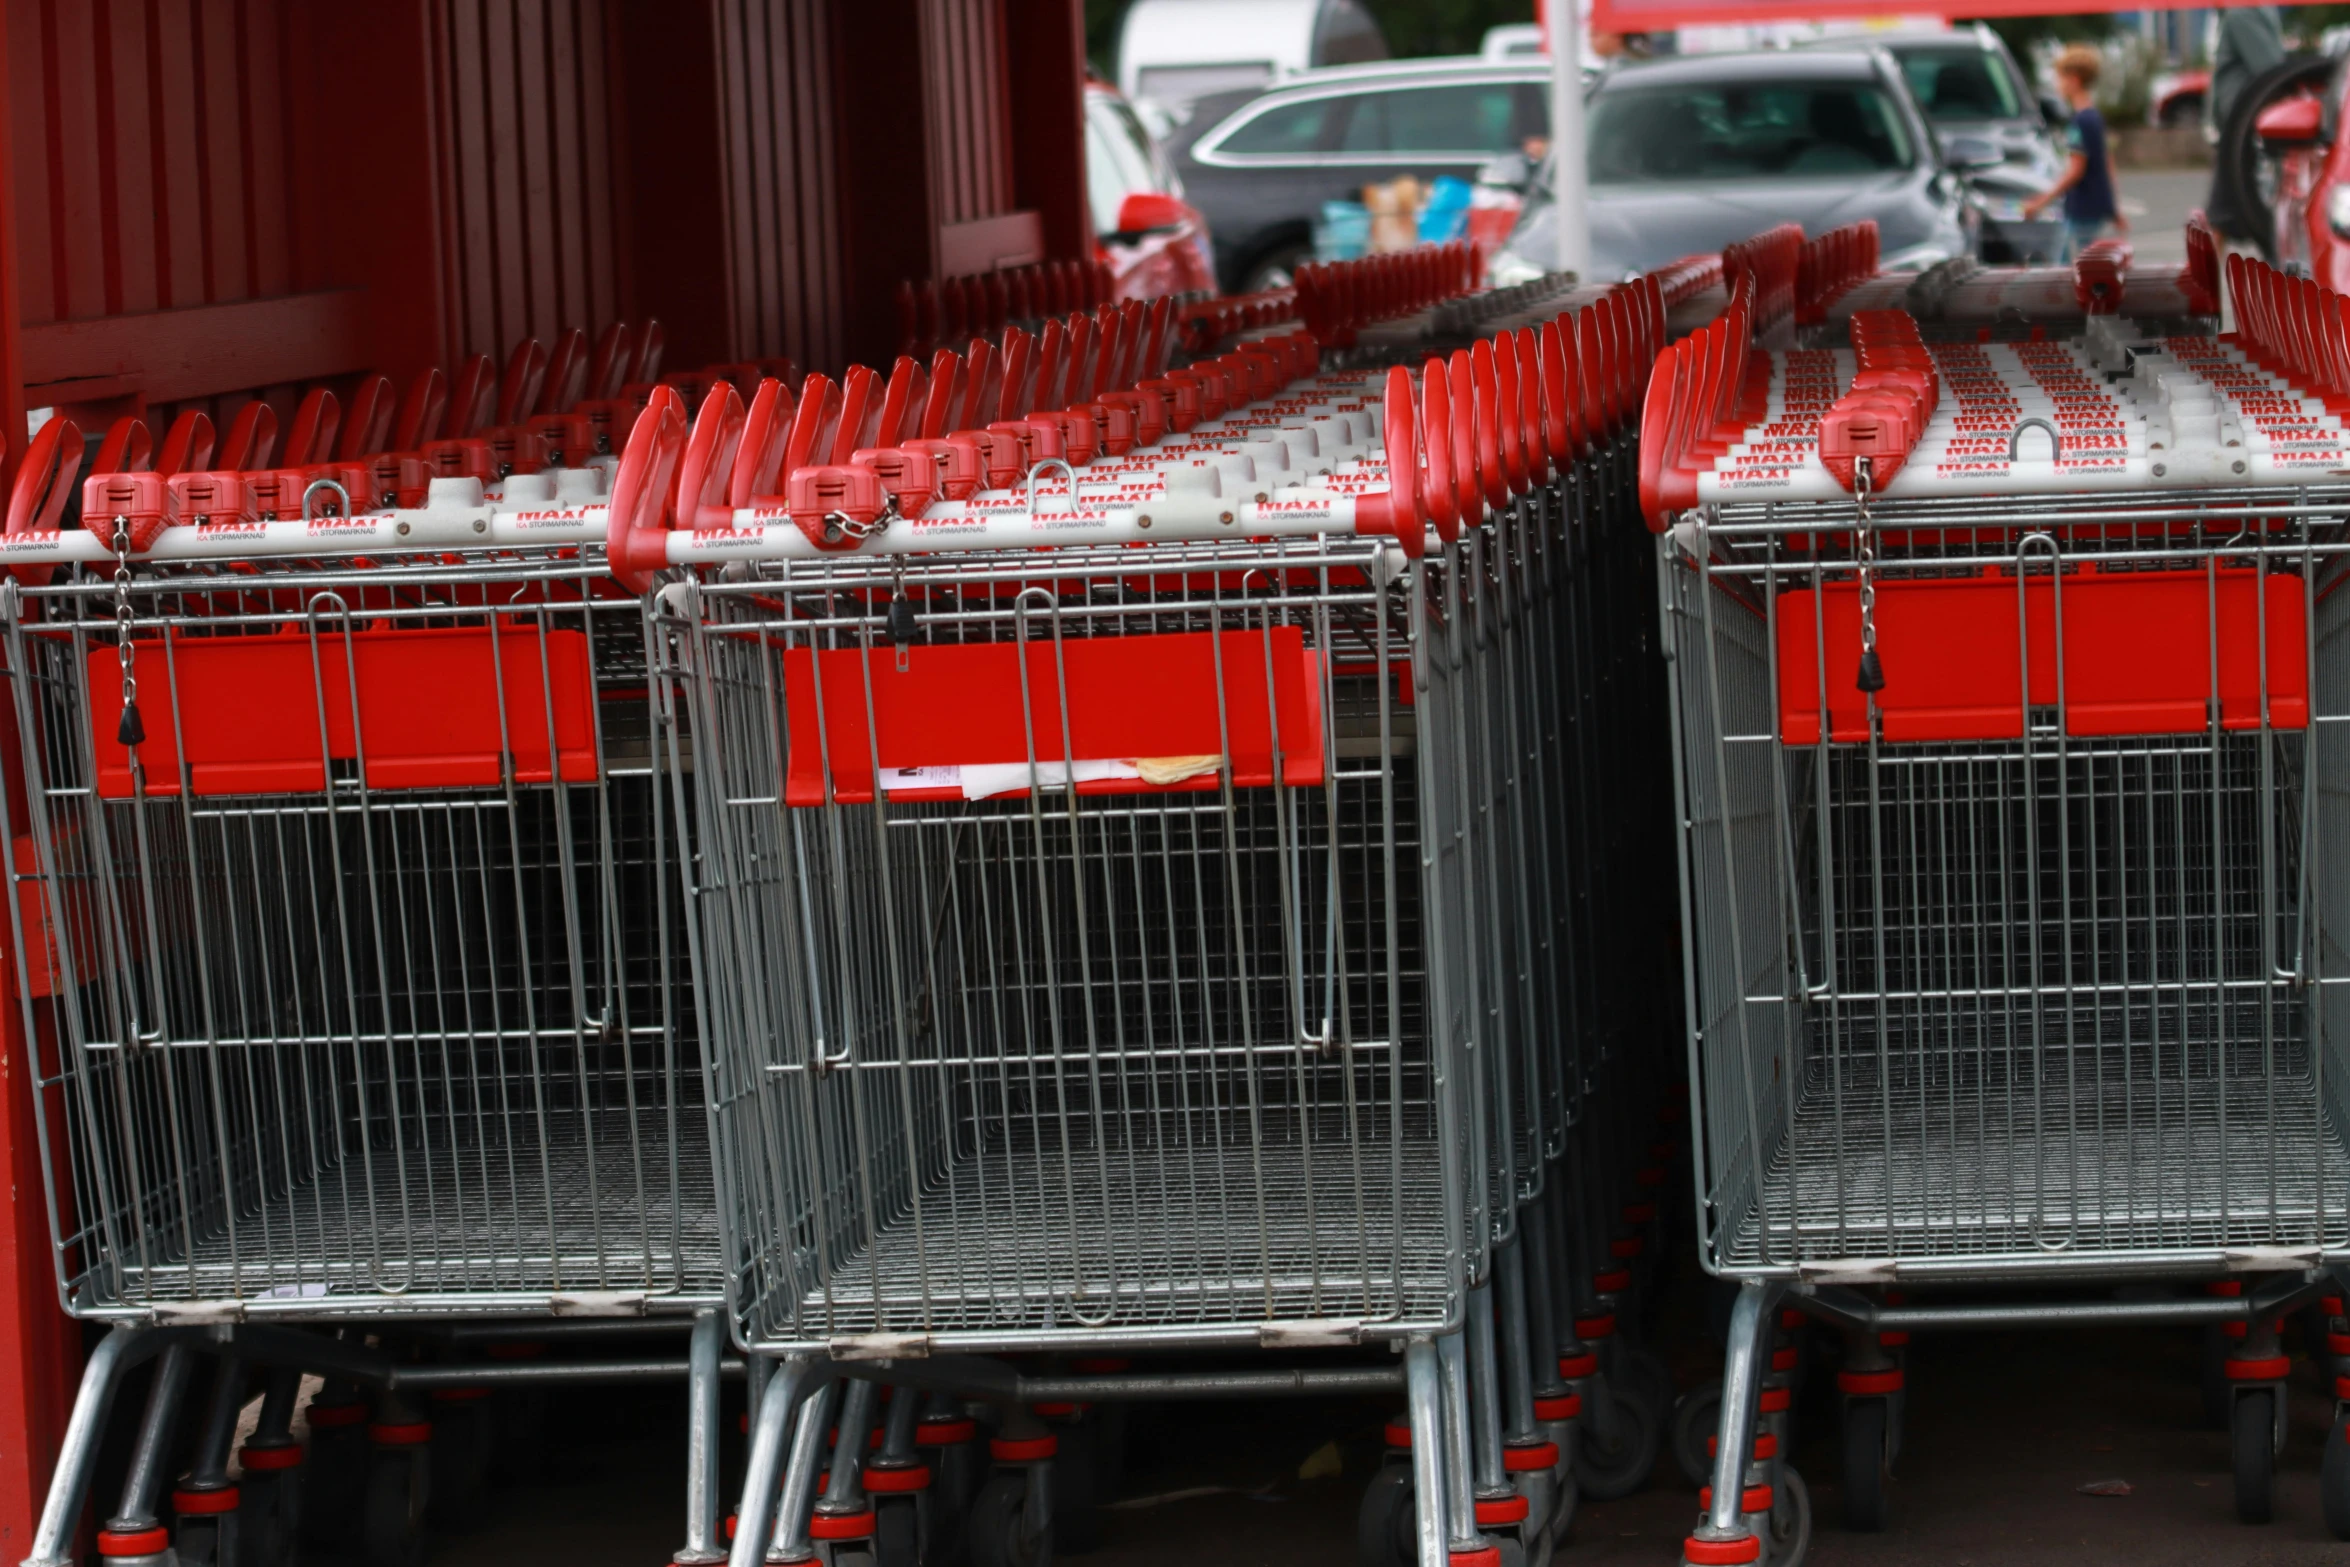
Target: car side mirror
<point>1969,153</point>
<point>2296,122</point>
<point>2054,112</point>
<point>1150,212</point>
<point>1508,170</point>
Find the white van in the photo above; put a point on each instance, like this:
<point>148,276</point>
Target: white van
<point>1171,52</point>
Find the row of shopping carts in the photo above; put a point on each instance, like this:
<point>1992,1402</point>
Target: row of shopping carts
<point>1037,853</point>
<point>1999,612</point>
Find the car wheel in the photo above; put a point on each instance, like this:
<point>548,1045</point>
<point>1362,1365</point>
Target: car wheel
<point>1277,268</point>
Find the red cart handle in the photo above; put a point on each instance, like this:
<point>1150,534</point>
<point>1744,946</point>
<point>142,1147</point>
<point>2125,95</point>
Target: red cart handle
<point>758,458</point>
<point>1395,511</point>
<point>641,488</point>
<point>128,447</point>
<point>252,437</point>
<point>708,463</point>
<point>187,445</point>
<point>1444,504</point>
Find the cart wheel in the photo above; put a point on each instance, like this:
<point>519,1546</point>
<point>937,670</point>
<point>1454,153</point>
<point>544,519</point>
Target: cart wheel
<point>1540,1489</point>
<point>1790,1519</point>
<point>391,1526</point>
<point>1384,1533</point>
<point>464,1444</point>
<point>2254,1436</point>
<point>1000,1532</point>
<point>1696,1417</point>
<point>1611,1469</point>
<point>956,1471</point>
<point>1866,1461</point>
<point>1563,1508</point>
<point>270,1517</point>
<point>334,1484</point>
<point>2333,1478</point>
<point>897,1531</point>
<point>209,1540</point>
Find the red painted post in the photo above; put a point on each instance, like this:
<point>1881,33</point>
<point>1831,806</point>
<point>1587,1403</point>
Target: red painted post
<point>1044,54</point>
<point>40,1347</point>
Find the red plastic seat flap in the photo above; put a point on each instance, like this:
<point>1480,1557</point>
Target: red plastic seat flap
<point>1130,699</point>
<point>2138,649</point>
<point>428,708</point>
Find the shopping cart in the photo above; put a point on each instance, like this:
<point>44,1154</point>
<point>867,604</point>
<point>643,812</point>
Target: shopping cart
<point>1154,1061</point>
<point>2004,864</point>
<point>346,929</point>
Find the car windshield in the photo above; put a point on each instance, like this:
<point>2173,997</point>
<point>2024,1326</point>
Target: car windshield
<point>1743,131</point>
<point>1960,84</point>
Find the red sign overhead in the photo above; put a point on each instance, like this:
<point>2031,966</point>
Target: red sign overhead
<point>1650,16</point>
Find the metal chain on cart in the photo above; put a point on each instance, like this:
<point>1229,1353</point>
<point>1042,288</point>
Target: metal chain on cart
<point>131,731</point>
<point>1872,670</point>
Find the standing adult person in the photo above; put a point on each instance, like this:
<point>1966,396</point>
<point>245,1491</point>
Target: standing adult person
<point>2088,189</point>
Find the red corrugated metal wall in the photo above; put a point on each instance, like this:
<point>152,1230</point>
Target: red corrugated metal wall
<point>970,129</point>
<point>530,211</point>
<point>780,159</point>
<point>433,178</point>
<point>152,154</point>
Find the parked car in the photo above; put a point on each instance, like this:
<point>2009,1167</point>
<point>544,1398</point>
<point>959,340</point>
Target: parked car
<point>1173,52</point>
<point>2175,100</point>
<point>1513,41</point>
<point>1261,165</point>
<point>1155,241</point>
<point>1972,93</point>
<point>1689,154</point>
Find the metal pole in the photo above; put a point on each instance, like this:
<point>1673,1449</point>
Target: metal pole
<point>151,1454</point>
<point>701,1441</point>
<point>789,1539</point>
<point>1568,180</point>
<point>77,1456</point>
<point>1424,1386</point>
<point>1460,1499</point>
<point>763,1474</point>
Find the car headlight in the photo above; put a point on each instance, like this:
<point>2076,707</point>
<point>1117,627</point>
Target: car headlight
<point>2338,209</point>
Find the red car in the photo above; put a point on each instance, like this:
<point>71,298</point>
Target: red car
<point>1153,240</point>
<point>2176,100</point>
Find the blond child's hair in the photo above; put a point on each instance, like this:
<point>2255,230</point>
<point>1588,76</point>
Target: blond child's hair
<point>2081,63</point>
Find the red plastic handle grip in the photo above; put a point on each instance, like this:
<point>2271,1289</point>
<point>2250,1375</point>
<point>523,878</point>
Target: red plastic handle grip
<point>368,430</point>
<point>1444,505</point>
<point>1395,511</point>
<point>640,490</point>
<point>758,458</point>
<point>708,462</point>
<point>187,445</point>
<point>128,447</point>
